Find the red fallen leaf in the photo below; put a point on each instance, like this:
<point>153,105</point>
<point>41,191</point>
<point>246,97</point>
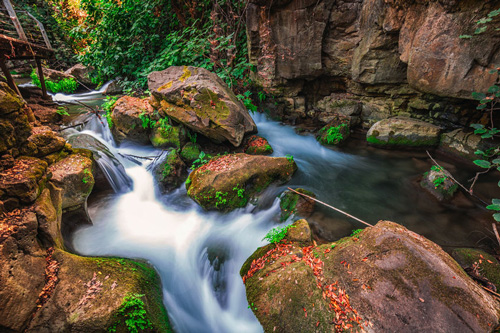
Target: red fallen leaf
<point>305,312</point>
<point>480,261</point>
<point>481,256</point>
<point>489,261</point>
<point>365,259</point>
<point>421,300</point>
<point>317,324</point>
<point>455,278</point>
<point>355,280</point>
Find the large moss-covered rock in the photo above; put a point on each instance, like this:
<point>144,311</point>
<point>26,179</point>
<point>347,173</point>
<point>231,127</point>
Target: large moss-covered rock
<point>73,175</point>
<point>25,179</point>
<point>126,118</point>
<point>386,278</point>
<point>91,293</point>
<point>171,172</point>
<point>229,181</point>
<point>48,210</point>
<point>190,152</point>
<point>43,141</point>
<point>403,132</point>
<point>201,101</point>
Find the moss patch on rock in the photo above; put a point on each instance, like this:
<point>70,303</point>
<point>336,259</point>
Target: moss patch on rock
<point>488,265</point>
<point>292,204</point>
<point>171,172</point>
<point>257,145</point>
<point>190,152</point>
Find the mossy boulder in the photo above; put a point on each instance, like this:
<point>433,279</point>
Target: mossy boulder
<point>190,152</point>
<point>335,132</point>
<point>169,137</point>
<point>229,181</point>
<point>385,278</point>
<point>48,210</point>
<point>126,118</point>
<point>257,145</point>
<point>293,204</point>
<point>25,179</point>
<point>74,176</point>
<point>487,265</point>
<point>171,172</point>
<point>201,101</point>
<point>42,142</point>
<point>403,132</point>
<point>92,292</point>
<point>437,181</point>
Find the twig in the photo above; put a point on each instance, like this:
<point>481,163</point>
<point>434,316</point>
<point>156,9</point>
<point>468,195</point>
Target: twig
<point>73,126</point>
<point>139,157</point>
<point>338,210</point>
<point>494,225</point>
<point>491,291</point>
<point>456,181</point>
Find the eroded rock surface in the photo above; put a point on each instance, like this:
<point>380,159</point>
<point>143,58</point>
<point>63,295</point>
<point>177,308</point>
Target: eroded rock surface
<point>402,131</point>
<point>386,278</point>
<point>201,101</point>
<point>127,123</point>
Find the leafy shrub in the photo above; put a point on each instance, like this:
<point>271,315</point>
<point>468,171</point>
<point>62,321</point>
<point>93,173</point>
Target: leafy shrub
<point>133,313</point>
<point>276,235</point>
<point>65,85</point>
<point>107,107</point>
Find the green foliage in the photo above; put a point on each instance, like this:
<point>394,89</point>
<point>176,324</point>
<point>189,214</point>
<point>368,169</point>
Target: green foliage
<point>132,38</point>
<point>192,136</point>
<point>65,85</point>
<point>252,307</point>
<point>133,312</point>
<point>239,191</point>
<point>219,199</point>
<point>61,110</point>
<point>201,160</point>
<point>438,181</point>
<point>277,234</point>
<point>86,176</point>
<point>107,107</point>
<point>164,125</point>
<point>333,134</point>
<point>146,121</point>
<point>289,158</point>
<point>247,101</point>
<point>356,232</point>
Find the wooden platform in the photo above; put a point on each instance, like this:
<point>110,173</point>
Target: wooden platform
<point>15,49</point>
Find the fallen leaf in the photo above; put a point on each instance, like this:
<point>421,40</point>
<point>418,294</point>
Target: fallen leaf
<point>421,300</point>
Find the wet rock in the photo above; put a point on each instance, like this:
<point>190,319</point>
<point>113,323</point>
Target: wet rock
<point>257,145</point>
<point>113,88</point>
<point>334,105</point>
<point>25,179</point>
<point>462,143</point>
<point>190,152</point>
<point>56,76</point>
<point>171,172</point>
<point>90,292</point>
<point>394,279</point>
<point>43,141</point>
<point>335,132</point>
<point>229,181</point>
<point>293,204</point>
<point>49,213</point>
<point>127,122</point>
<point>401,132</point>
<point>168,137</point>
<point>82,74</point>
<point>300,233</point>
<point>485,265</point>
<point>201,101</point>
<point>438,182</point>
<point>9,101</point>
<point>46,115</point>
<point>73,175</point>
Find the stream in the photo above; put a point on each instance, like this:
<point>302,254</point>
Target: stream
<point>198,254</point>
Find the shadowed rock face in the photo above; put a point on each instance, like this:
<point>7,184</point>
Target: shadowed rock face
<point>201,101</point>
<point>378,50</point>
<point>395,280</point>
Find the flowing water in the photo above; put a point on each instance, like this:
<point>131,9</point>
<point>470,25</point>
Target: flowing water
<point>198,254</point>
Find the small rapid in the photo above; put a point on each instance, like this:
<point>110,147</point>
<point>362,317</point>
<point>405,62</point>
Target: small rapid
<point>198,254</point>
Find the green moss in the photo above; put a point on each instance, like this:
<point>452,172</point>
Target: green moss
<point>166,137</point>
<point>488,266</point>
<point>190,152</point>
<point>288,202</point>
<point>400,141</point>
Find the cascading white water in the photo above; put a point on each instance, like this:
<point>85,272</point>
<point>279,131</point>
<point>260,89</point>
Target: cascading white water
<point>198,254</point>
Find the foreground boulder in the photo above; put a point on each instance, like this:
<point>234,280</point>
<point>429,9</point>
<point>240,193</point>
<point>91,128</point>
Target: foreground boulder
<point>200,100</point>
<point>401,132</point>
<point>73,175</point>
<point>385,278</point>
<point>228,182</point>
<point>127,122</point>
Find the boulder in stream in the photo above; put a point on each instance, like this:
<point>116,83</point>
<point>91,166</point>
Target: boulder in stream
<point>200,100</point>
<point>257,145</point>
<point>438,182</point>
<point>336,131</point>
<point>82,74</point>
<point>292,204</point>
<point>126,118</point>
<point>403,132</point>
<point>229,181</point>
<point>385,278</point>
<point>73,175</point>
<point>171,172</point>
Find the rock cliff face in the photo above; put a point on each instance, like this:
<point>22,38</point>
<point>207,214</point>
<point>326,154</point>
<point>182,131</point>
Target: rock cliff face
<point>396,57</point>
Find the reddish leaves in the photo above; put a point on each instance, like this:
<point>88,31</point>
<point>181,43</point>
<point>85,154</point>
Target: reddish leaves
<point>51,279</point>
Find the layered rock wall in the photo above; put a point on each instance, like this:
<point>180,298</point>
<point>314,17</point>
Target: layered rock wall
<point>396,57</point>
